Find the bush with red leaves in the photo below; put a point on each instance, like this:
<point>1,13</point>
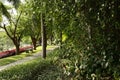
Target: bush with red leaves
<point>13,51</point>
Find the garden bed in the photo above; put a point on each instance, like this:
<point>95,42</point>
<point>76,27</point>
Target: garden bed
<point>13,51</point>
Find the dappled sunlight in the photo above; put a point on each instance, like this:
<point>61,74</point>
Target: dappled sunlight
<point>84,36</point>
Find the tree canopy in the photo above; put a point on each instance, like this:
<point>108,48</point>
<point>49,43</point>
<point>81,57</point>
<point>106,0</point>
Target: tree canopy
<point>88,33</point>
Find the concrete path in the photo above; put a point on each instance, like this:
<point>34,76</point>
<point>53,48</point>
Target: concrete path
<point>26,59</point>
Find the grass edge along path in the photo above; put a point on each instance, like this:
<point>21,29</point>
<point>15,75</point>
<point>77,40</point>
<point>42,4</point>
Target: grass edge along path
<point>12,59</point>
<point>37,69</point>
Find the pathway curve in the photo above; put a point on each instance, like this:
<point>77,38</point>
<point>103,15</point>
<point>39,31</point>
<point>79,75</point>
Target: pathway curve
<point>26,59</point>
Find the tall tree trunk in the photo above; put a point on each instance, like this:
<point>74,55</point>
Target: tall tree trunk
<point>17,45</point>
<point>34,41</point>
<point>43,34</point>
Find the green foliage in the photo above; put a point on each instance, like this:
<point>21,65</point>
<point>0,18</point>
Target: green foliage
<point>26,40</point>
<point>84,66</point>
<point>38,69</point>
<point>91,48</point>
<point>93,38</point>
<point>3,11</point>
<point>5,42</point>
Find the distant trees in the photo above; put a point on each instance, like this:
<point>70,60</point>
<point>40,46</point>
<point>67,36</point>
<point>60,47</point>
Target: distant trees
<point>32,23</point>
<point>32,29</point>
<point>40,12</point>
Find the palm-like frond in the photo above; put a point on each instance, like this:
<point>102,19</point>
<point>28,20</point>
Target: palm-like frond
<point>3,10</point>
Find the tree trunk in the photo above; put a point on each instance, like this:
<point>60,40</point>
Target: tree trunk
<point>17,49</point>
<point>40,41</point>
<point>34,41</point>
<point>17,45</point>
<point>43,34</point>
<point>51,38</point>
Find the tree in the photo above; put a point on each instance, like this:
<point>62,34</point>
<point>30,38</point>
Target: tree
<point>13,35</point>
<point>41,13</point>
<point>31,23</point>
<point>33,30</point>
<point>43,34</point>
<point>14,32</point>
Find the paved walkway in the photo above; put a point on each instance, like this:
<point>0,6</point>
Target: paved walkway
<point>23,60</point>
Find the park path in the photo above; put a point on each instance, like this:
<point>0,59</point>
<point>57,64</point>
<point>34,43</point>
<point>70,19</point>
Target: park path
<point>26,59</point>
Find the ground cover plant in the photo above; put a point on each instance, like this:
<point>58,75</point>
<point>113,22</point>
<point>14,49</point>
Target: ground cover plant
<point>38,69</point>
<point>57,66</point>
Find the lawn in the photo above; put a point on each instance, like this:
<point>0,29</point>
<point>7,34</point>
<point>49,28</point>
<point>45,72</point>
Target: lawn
<point>7,60</point>
<point>37,69</point>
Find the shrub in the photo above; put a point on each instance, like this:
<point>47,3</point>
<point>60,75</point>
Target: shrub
<point>12,52</point>
<point>38,69</point>
<point>85,65</point>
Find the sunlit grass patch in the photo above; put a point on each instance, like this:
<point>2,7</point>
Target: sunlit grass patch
<point>11,59</point>
<point>7,60</point>
<point>37,69</point>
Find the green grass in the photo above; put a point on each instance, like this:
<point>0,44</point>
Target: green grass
<point>11,59</point>
<point>37,69</point>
